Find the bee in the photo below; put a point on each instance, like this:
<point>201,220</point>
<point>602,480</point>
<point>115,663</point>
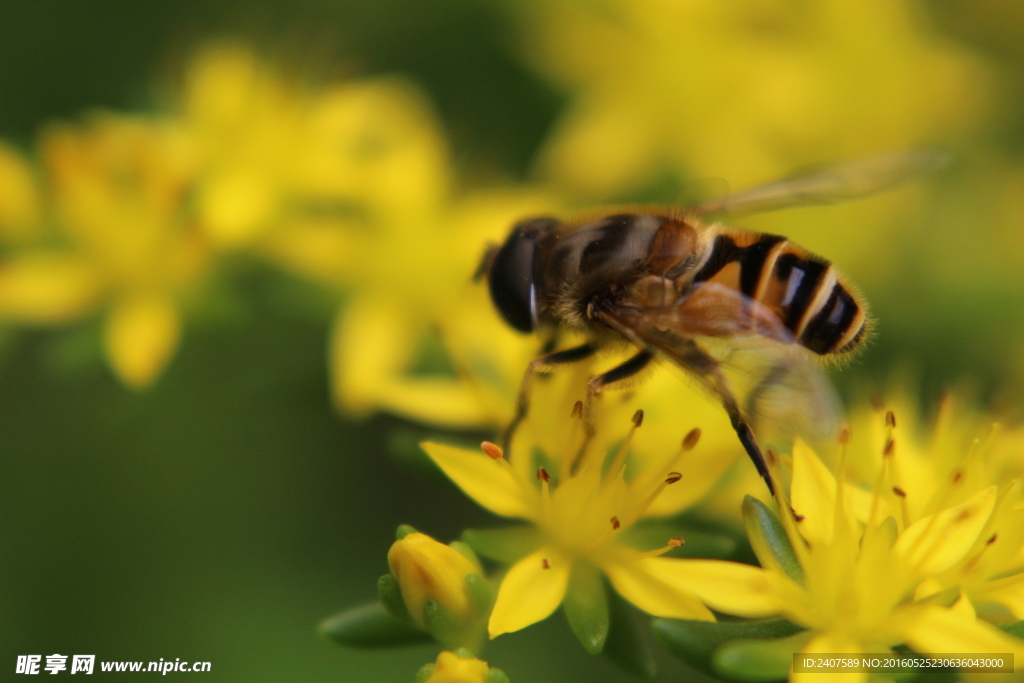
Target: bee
<point>744,313</point>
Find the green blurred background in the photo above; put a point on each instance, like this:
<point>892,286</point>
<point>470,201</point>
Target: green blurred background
<point>223,513</point>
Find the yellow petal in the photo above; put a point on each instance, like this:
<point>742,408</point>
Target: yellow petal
<point>142,332</point>
<point>322,251</point>
<point>829,642</point>
<point>442,402</point>
<point>814,494</point>
<point>937,542</point>
<point>944,631</point>
<point>451,668</point>
<point>428,569</point>
<point>235,205</point>
<point>489,482</point>
<point>1008,591</point>
<point>19,196</point>
<point>47,288</point>
<point>729,587</point>
<point>531,591</point>
<point>654,585</point>
<point>372,341</point>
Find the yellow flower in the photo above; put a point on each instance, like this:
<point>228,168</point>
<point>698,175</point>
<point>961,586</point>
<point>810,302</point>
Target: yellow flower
<point>20,201</point>
<point>927,468</point>
<point>275,153</point>
<point>741,91</point>
<point>426,569</point>
<point>117,185</point>
<point>459,667</point>
<point>579,511</point>
<point>404,256</point>
<point>668,94</point>
<point>858,588</point>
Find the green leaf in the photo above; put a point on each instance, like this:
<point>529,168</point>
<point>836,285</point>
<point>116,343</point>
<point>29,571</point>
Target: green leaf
<point>586,607</point>
<point>756,661</point>
<point>695,642</point>
<point>506,545</point>
<point>628,644</point>
<point>370,626</point>
<point>496,676</point>
<point>480,594</point>
<point>390,594</point>
<point>440,623</point>
<point>443,625</point>
<point>699,543</point>
<point>1014,628</point>
<point>463,548</point>
<point>769,540</point>
<point>425,672</point>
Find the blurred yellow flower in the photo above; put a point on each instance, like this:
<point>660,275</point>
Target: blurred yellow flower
<point>664,92</point>
<point>116,187</point>
<point>20,200</point>
<point>272,150</point>
<point>741,91</point>
<point>403,253</point>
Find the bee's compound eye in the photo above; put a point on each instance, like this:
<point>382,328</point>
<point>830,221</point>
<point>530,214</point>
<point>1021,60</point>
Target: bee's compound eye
<point>511,278</point>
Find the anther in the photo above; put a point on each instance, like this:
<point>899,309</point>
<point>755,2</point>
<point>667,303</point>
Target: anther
<point>615,523</point>
<point>890,419</point>
<point>542,474</point>
<point>957,476</point>
<point>545,564</point>
<point>899,492</point>
<point>492,450</point>
<point>773,457</point>
<point>691,439</point>
<point>796,517</point>
<point>890,446</point>
<point>638,418</point>
<point>673,477</point>
<point>676,542</point>
<point>844,435</point>
<point>992,540</point>
<point>577,409</point>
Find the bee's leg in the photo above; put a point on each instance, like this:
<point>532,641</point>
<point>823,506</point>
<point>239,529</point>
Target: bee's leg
<point>599,383</point>
<point>707,368</point>
<point>743,430</point>
<point>746,436</point>
<point>542,364</point>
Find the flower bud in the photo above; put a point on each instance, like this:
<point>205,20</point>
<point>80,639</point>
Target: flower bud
<point>460,667</point>
<point>428,571</point>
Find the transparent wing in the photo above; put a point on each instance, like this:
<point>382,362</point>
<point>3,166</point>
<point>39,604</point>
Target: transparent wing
<point>740,351</point>
<point>831,184</point>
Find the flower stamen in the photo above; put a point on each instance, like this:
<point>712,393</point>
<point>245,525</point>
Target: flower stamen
<point>545,493</point>
<point>670,479</point>
<point>497,454</point>
<point>618,467</point>
<point>673,543</point>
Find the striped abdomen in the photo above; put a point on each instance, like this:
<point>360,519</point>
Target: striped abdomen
<point>801,288</point>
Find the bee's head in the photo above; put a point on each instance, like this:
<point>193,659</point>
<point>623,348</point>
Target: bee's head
<point>512,272</point>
